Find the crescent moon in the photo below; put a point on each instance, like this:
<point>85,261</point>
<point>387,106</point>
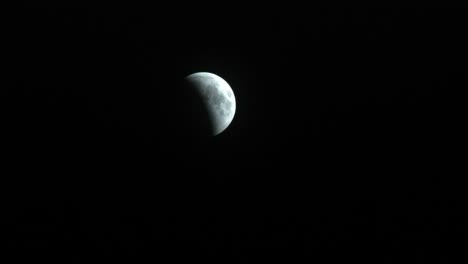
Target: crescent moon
<point>218,98</point>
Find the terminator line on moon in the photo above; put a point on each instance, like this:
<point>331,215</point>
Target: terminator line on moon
<point>217,97</point>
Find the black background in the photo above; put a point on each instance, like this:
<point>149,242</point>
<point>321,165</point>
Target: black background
<point>344,145</point>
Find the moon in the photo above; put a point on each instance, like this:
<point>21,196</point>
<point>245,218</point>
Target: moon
<point>216,98</point>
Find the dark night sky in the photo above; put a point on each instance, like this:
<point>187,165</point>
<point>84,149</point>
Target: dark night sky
<point>341,147</point>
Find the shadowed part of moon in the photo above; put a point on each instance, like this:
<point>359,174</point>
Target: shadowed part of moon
<point>194,115</point>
